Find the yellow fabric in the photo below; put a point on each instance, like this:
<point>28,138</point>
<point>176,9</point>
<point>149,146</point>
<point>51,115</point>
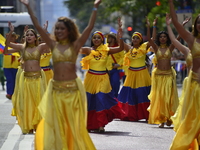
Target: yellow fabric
<point>189,60</point>
<point>189,128</point>
<point>16,91</point>
<point>118,58</point>
<point>69,55</point>
<point>195,49</point>
<point>163,96</point>
<point>45,59</point>
<point>64,111</point>
<point>136,57</point>
<point>97,83</point>
<point>30,92</point>
<point>166,55</point>
<point>97,59</point>
<point>7,61</point>
<point>49,75</point>
<point>141,76</point>
<point>177,117</point>
<point>31,56</point>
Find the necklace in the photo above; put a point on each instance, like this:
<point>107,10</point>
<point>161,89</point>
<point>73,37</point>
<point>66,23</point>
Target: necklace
<point>163,45</point>
<point>63,42</point>
<point>31,45</point>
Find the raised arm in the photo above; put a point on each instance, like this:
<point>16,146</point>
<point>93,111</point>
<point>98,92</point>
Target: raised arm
<point>121,42</point>
<point>8,43</point>
<point>186,35</point>
<point>151,42</point>
<point>175,42</point>
<point>154,29</point>
<point>86,33</point>
<point>41,31</point>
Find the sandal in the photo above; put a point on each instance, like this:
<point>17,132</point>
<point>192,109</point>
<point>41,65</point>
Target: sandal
<point>169,122</point>
<point>161,125</point>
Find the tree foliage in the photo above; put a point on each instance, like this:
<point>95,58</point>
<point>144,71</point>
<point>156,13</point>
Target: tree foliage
<point>137,10</point>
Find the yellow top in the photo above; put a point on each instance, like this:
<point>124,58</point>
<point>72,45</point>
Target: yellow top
<point>10,61</point>
<point>97,59</point>
<point>166,55</point>
<point>136,56</point>
<point>189,60</point>
<point>45,59</point>
<point>31,56</point>
<point>196,49</point>
<point>68,55</point>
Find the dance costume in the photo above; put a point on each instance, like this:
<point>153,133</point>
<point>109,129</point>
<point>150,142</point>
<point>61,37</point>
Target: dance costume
<point>31,88</point>
<point>10,66</point>
<point>134,93</point>
<point>163,95</point>
<point>179,115</point>
<point>188,131</point>
<point>63,109</point>
<point>114,73</point>
<point>102,106</point>
<point>45,65</point>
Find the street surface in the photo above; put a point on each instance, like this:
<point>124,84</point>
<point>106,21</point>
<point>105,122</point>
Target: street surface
<point>119,135</point>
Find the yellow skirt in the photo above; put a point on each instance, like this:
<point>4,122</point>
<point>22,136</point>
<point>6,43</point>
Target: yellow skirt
<point>48,74</point>
<point>179,114</point>
<point>189,128</point>
<point>16,91</point>
<point>31,88</point>
<point>97,83</point>
<point>137,79</point>
<point>163,96</point>
<point>63,109</point>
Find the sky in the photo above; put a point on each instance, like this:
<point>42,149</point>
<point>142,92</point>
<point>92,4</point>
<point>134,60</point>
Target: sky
<point>51,10</point>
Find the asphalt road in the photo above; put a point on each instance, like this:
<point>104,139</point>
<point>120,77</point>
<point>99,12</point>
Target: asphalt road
<point>119,135</point>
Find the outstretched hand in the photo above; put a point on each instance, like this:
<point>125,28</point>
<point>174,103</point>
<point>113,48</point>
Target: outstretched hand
<point>119,32</point>
<point>96,3</point>
<point>186,21</point>
<point>155,21</point>
<point>147,21</point>
<point>45,26</point>
<point>168,19</point>
<point>11,26</point>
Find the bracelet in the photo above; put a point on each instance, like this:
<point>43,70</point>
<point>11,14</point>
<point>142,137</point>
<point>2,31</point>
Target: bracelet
<point>154,26</point>
<point>94,9</point>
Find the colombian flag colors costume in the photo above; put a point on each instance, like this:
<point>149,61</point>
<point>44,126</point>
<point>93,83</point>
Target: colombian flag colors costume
<point>134,93</point>
<point>102,106</point>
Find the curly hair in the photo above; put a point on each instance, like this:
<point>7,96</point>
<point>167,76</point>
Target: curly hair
<point>72,29</point>
<point>158,36</point>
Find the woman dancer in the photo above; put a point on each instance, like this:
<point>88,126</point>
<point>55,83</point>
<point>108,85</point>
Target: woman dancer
<point>177,118</point>
<point>32,82</point>
<point>63,106</point>
<point>163,95</point>
<point>134,93</point>
<point>102,104</point>
<point>188,130</point>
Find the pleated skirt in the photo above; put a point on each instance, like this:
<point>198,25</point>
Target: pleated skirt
<point>103,107</point>
<point>187,133</point>
<point>133,96</point>
<point>64,112</point>
<point>163,96</point>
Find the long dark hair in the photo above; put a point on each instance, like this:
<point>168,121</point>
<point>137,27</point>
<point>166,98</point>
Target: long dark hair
<point>158,36</point>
